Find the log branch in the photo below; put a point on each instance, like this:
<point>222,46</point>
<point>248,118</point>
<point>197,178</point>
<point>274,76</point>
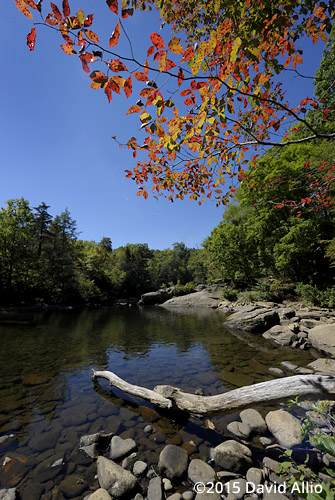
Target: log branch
<point>167,396</point>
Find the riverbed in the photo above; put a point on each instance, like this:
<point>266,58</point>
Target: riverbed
<point>48,399</point>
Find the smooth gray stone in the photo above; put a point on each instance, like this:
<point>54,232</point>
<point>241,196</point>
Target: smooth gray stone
<point>113,478</point>
<point>173,462</point>
<point>155,490</point>
<point>200,471</point>
<point>120,448</point>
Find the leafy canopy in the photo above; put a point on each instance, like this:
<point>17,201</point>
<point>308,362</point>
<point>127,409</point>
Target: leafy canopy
<point>226,96</point>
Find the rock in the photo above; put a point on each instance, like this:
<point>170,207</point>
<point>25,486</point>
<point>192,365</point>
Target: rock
<point>271,464</point>
<point>280,334</point>
<point>188,495</point>
<point>289,366</point>
<point>113,478</point>
<point>167,485</point>
<point>276,371</point>
<point>157,297</point>
<point>285,427</point>
<point>9,494</point>
<point>120,448</point>
<point>232,456</point>
<point>155,491</point>
<point>175,496</point>
<point>3,439</point>
<point>72,486</point>
<point>309,323</point>
<point>254,476</point>
<point>99,437</point>
<point>205,298</point>
<point>238,487</point>
<point>322,337</point>
<point>44,441</point>
<point>254,420</point>
<point>253,319</point>
<point>239,429</point>
<point>208,494</point>
<point>57,462</point>
<point>148,429</point>
<point>265,441</point>
<point>138,496</point>
<point>198,470</point>
<point>129,461</point>
<point>100,494</point>
<point>91,450</point>
<point>273,495</point>
<point>139,468</point>
<point>173,462</point>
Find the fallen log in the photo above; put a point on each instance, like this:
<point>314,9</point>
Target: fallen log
<point>167,396</point>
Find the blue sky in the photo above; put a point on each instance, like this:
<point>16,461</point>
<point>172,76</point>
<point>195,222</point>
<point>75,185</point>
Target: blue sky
<point>56,135</point>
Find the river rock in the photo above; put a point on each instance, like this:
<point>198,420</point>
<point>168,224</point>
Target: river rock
<point>254,420</point>
<point>155,490</point>
<point>285,427</point>
<point>98,437</point>
<point>323,365</point>
<point>188,495</point>
<point>139,468</point>
<point>205,298</point>
<point>72,487</point>
<point>322,337</point>
<point>253,319</point>
<point>44,441</point>
<point>113,478</point>
<point>9,494</point>
<point>232,456</point>
<point>167,485</point>
<point>158,297</point>
<point>254,476</point>
<point>239,429</point>
<point>198,470</point>
<point>238,487</point>
<point>173,461</point>
<point>175,496</point>
<point>280,334</point>
<point>100,494</point>
<point>121,447</point>
<point>208,495</point>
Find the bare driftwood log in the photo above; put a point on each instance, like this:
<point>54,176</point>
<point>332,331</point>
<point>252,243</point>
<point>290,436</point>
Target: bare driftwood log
<point>167,396</point>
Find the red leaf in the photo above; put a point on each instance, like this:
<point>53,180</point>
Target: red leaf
<point>157,40</point>
<point>127,12</point>
<point>68,48</point>
<point>31,37</point>
<point>188,102</point>
<point>150,50</point>
<point>113,5</point>
<point>188,54</point>
<point>22,6</point>
<point>92,36</point>
<point>66,8</point>
<point>108,92</point>
<point>145,195</point>
<point>128,86</point>
<point>56,11</point>
<point>116,65</point>
<point>169,64</point>
<point>180,76</point>
<point>114,39</point>
<point>141,77</point>
<point>147,92</point>
<point>89,20</point>
<point>84,61</point>
<point>134,109</point>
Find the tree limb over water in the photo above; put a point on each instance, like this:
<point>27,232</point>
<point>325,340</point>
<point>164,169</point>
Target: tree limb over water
<point>166,396</point>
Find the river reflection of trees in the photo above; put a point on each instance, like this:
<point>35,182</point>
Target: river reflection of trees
<point>39,352</point>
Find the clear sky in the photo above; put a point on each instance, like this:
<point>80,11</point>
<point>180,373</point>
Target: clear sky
<point>56,136</point>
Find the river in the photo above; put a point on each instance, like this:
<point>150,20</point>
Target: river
<point>48,399</point>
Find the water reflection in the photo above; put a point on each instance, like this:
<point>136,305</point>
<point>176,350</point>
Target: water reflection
<point>48,400</point>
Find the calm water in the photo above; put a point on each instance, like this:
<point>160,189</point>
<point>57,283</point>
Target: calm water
<point>48,400</point>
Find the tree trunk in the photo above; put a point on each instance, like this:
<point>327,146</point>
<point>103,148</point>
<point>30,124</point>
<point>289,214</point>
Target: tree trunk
<point>167,396</point>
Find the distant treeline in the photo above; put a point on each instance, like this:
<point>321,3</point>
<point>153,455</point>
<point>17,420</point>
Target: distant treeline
<point>43,261</point>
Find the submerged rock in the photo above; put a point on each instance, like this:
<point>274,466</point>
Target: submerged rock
<point>173,462</point>
<point>285,427</point>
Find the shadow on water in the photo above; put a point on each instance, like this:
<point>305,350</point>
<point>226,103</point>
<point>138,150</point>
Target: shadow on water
<point>48,400</point>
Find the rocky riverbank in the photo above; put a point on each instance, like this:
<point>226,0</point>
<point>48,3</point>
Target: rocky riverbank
<point>246,464</point>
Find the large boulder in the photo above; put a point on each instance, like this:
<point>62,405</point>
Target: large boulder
<point>322,337</point>
<point>284,427</point>
<point>204,298</point>
<point>158,297</point>
<point>280,334</point>
<point>173,462</point>
<point>323,365</point>
<point>232,456</point>
<point>113,478</point>
<point>253,319</point>
<point>254,420</point>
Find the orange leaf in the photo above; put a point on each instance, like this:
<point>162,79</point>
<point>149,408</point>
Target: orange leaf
<point>141,77</point>
<point>150,50</point>
<point>88,20</point>
<point>145,195</point>
<point>56,11</point>
<point>31,4</point>
<point>66,8</point>
<point>116,65</point>
<point>92,36</point>
<point>114,39</point>
<point>147,92</point>
<point>128,86</point>
<point>157,40</point>
<point>287,62</point>
<point>297,60</point>
<point>175,47</point>
<point>134,109</point>
<point>180,76</point>
<point>188,54</point>
<point>31,37</point>
<point>113,5</point>
<point>22,6</point>
<point>68,48</point>
<point>162,61</point>
<point>51,20</point>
